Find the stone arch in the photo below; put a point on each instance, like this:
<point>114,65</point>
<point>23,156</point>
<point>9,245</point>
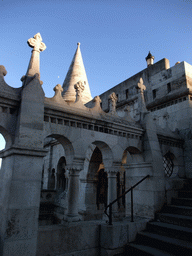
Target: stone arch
<point>98,156</point>
<point>67,145</point>
<point>106,151</point>
<point>7,137</point>
<point>132,155</point>
<point>8,141</point>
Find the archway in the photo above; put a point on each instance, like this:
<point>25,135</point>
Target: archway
<point>94,180</point>
<point>54,202</point>
<point>96,188</point>
<point>2,146</point>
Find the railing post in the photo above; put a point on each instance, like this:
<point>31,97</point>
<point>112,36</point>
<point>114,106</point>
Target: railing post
<point>110,214</point>
<point>131,204</point>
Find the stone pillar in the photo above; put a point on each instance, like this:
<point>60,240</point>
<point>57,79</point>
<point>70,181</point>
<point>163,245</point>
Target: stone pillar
<point>112,188</point>
<point>19,200</point>
<point>73,190</point>
<point>73,195</point>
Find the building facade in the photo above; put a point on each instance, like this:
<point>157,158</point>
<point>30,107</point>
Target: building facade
<point>69,156</point>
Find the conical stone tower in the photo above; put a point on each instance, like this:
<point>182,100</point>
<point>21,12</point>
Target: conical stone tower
<point>75,74</point>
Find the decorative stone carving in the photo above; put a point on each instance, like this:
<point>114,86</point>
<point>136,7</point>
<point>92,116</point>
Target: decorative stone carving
<point>97,105</point>
<point>58,90</point>
<point>97,100</point>
<point>79,88</point>
<point>141,106</point>
<point>36,43</point>
<point>112,103</point>
<point>3,71</point>
<point>141,86</point>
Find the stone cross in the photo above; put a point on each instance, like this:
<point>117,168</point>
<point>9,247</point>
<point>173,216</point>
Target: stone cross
<point>112,102</point>
<point>36,43</point>
<point>79,88</point>
<point>141,106</point>
<point>141,86</point>
<point>38,46</point>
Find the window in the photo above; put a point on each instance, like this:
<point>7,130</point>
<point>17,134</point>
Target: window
<point>169,87</point>
<point>127,93</point>
<point>168,164</point>
<point>154,94</point>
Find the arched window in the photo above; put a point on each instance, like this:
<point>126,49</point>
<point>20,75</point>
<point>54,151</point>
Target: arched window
<point>168,164</point>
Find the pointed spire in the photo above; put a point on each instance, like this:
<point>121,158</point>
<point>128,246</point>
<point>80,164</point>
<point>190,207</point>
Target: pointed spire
<point>75,74</point>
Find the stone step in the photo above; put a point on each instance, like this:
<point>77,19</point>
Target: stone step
<point>170,245</point>
<point>178,209</point>
<point>185,193</point>
<point>182,201</point>
<point>134,249</point>
<point>170,230</point>
<point>175,219</point>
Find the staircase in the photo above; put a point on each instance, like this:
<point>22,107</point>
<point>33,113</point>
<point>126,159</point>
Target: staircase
<point>171,232</point>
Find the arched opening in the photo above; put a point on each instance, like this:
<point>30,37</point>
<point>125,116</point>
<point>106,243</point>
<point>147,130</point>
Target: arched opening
<point>102,188</point>
<point>94,180</point>
<point>2,145</point>
<point>54,202</point>
<point>97,181</point>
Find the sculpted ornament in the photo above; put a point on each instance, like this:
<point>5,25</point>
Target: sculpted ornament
<point>58,88</point>
<point>36,43</point>
<point>79,87</point>
<point>141,86</point>
<point>97,99</point>
<point>3,71</point>
<point>112,102</point>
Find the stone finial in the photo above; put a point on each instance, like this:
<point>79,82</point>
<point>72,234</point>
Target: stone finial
<point>141,104</point>
<point>3,71</point>
<point>38,46</point>
<point>97,100</point>
<point>36,43</point>
<point>112,102</point>
<point>141,86</point>
<point>79,88</point>
<point>58,89</point>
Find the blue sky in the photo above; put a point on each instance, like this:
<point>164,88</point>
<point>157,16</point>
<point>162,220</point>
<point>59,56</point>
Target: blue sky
<point>115,37</point>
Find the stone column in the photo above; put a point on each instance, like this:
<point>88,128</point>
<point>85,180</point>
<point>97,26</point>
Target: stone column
<point>112,188</point>
<point>73,195</point>
<point>73,190</point>
<point>19,200</point>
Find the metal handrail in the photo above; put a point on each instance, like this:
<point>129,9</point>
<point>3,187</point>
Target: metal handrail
<point>114,201</point>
